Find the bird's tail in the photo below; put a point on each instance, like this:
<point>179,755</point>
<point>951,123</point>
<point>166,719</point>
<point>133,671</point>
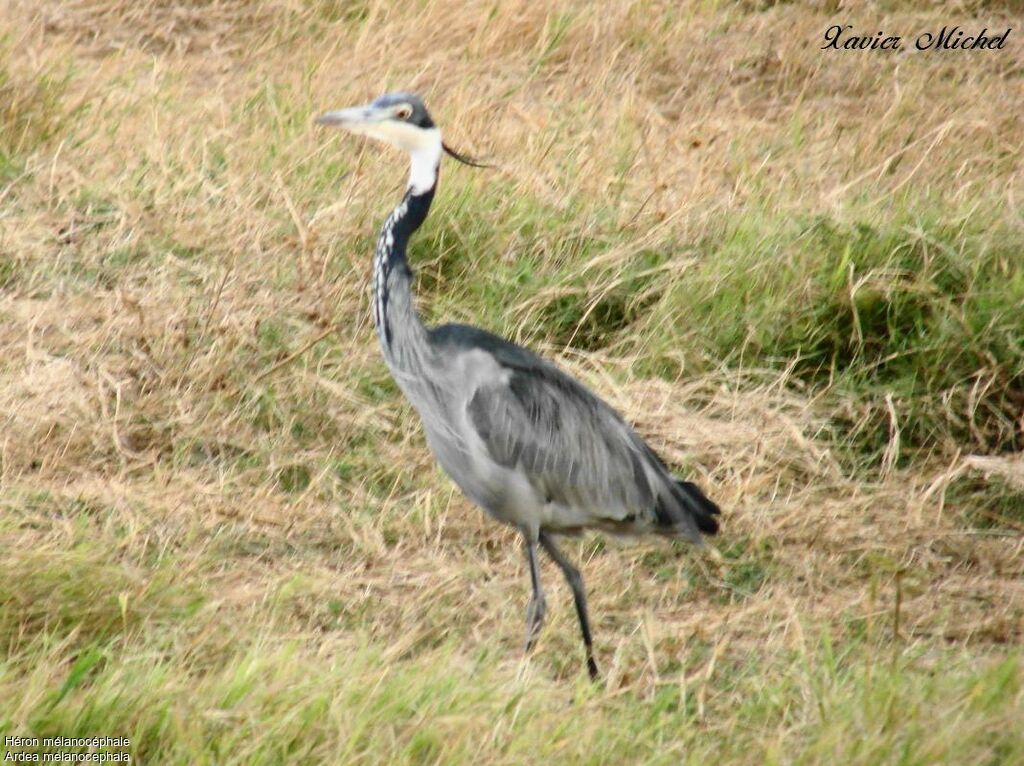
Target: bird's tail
<point>688,510</point>
<point>702,509</point>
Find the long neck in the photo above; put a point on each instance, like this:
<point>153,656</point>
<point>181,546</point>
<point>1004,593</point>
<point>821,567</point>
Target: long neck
<point>398,325</point>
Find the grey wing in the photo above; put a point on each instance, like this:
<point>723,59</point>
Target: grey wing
<point>572,448</point>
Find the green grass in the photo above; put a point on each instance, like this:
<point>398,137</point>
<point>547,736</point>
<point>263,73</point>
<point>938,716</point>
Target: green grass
<point>193,682</point>
<point>33,110</point>
<point>989,503</point>
<point>189,697</point>
<point>147,647</point>
<point>922,309</point>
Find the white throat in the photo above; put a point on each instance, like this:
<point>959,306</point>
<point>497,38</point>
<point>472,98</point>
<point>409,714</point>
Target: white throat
<point>424,160</point>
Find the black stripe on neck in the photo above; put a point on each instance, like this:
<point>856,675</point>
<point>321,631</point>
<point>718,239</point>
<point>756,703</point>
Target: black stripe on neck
<point>406,218</point>
<point>416,208</point>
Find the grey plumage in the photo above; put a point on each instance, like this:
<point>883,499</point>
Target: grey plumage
<point>526,442</point>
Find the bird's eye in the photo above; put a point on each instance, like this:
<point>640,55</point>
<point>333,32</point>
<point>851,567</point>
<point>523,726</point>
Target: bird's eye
<point>403,112</point>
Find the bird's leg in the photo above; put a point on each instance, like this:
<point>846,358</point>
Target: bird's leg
<point>579,596</point>
<point>536,609</point>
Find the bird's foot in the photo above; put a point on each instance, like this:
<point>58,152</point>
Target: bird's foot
<point>592,669</point>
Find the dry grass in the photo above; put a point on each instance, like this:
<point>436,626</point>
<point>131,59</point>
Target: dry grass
<point>223,533</point>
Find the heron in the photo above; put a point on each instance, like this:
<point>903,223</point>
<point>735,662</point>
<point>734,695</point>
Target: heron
<point>522,439</point>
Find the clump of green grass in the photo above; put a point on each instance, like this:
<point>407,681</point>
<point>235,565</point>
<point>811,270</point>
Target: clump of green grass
<point>915,319</point>
<point>988,503</point>
<point>592,306</point>
<point>78,593</point>
<point>32,110</point>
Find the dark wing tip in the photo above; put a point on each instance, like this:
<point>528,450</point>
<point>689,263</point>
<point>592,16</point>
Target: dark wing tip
<point>707,509</point>
<point>700,507</point>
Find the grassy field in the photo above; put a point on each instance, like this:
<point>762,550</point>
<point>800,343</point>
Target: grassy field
<point>800,273</point>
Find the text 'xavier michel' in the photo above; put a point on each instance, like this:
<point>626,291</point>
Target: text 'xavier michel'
<point>842,37</point>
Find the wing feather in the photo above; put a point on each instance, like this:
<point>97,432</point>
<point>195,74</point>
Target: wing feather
<point>571,447</point>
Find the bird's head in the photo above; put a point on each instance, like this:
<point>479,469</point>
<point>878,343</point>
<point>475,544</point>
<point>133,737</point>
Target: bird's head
<point>402,120</point>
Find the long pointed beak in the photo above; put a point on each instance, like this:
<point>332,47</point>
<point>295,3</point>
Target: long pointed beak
<point>353,116</point>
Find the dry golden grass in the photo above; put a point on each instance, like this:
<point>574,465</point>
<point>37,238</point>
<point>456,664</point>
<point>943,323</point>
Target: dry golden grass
<point>177,242</point>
